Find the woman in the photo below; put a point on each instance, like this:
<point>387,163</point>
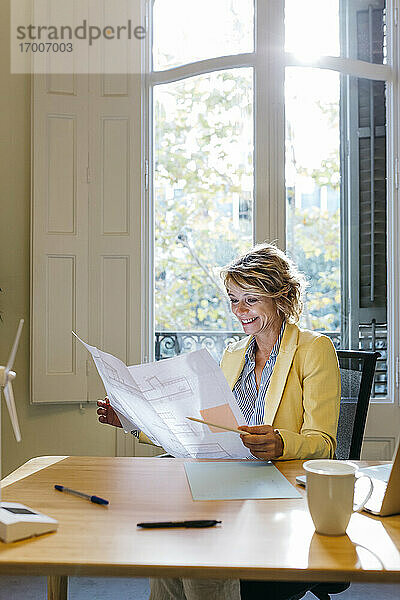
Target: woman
<point>285,380</point>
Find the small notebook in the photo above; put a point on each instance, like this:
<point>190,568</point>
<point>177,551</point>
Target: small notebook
<point>245,480</point>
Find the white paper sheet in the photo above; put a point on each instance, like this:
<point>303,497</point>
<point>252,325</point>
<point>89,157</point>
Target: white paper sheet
<point>157,397</point>
<point>237,481</point>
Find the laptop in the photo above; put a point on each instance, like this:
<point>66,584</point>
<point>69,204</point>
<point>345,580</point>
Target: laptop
<point>385,498</point>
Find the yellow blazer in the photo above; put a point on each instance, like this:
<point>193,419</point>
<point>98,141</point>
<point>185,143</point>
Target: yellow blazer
<point>303,396</point>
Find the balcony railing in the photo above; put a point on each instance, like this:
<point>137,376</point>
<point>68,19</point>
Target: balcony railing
<point>171,343</point>
<point>373,337</point>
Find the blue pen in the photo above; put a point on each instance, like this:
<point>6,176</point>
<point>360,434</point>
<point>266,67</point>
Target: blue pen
<point>94,499</point>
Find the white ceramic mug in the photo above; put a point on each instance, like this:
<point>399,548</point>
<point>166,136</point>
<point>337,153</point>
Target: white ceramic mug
<point>330,494</point>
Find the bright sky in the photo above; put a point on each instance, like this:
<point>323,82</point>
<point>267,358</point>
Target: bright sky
<point>311,30</point>
<point>189,30</point>
<point>312,27</point>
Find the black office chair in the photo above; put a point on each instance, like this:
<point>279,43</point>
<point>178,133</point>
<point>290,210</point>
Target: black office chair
<point>357,369</point>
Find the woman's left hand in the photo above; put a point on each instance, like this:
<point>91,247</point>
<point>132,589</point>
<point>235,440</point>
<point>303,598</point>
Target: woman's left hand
<point>264,443</point>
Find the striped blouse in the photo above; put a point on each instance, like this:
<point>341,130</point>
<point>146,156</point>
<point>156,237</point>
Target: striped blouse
<point>252,402</point>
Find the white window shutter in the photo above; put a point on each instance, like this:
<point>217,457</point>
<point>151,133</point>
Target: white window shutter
<point>86,230</point>
<point>59,273</point>
<point>115,219</point>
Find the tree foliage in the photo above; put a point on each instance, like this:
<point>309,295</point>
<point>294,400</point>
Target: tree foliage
<point>201,172</point>
<point>317,254</point>
<point>314,236</point>
<point>203,206</point>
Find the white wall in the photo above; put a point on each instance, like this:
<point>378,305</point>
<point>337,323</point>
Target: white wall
<point>45,429</point>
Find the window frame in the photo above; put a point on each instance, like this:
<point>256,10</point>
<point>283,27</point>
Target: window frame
<point>269,61</point>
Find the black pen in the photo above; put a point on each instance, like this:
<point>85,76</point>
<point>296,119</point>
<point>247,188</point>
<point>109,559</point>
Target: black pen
<point>159,525</point>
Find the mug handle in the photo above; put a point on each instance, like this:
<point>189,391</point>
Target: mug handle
<point>358,507</point>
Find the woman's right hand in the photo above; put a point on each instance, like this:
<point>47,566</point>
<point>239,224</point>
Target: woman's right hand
<point>107,414</point>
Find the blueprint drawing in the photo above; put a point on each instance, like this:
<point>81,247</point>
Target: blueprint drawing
<point>156,398</point>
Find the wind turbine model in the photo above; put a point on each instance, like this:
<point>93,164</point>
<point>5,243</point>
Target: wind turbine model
<point>17,521</point>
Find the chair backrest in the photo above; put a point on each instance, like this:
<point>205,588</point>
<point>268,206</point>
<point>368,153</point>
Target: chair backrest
<point>357,370</point>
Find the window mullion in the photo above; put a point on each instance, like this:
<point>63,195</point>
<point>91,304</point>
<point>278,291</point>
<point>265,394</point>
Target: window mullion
<point>147,207</point>
<point>270,218</point>
<point>393,209</point>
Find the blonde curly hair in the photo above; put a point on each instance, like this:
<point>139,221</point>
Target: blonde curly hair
<point>266,271</point>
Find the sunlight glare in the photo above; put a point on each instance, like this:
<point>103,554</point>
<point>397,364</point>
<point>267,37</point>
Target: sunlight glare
<point>312,28</point>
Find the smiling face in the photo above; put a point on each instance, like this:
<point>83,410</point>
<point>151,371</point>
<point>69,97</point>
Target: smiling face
<point>255,312</point>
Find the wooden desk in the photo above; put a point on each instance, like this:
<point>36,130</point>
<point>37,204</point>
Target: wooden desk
<point>258,539</point>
